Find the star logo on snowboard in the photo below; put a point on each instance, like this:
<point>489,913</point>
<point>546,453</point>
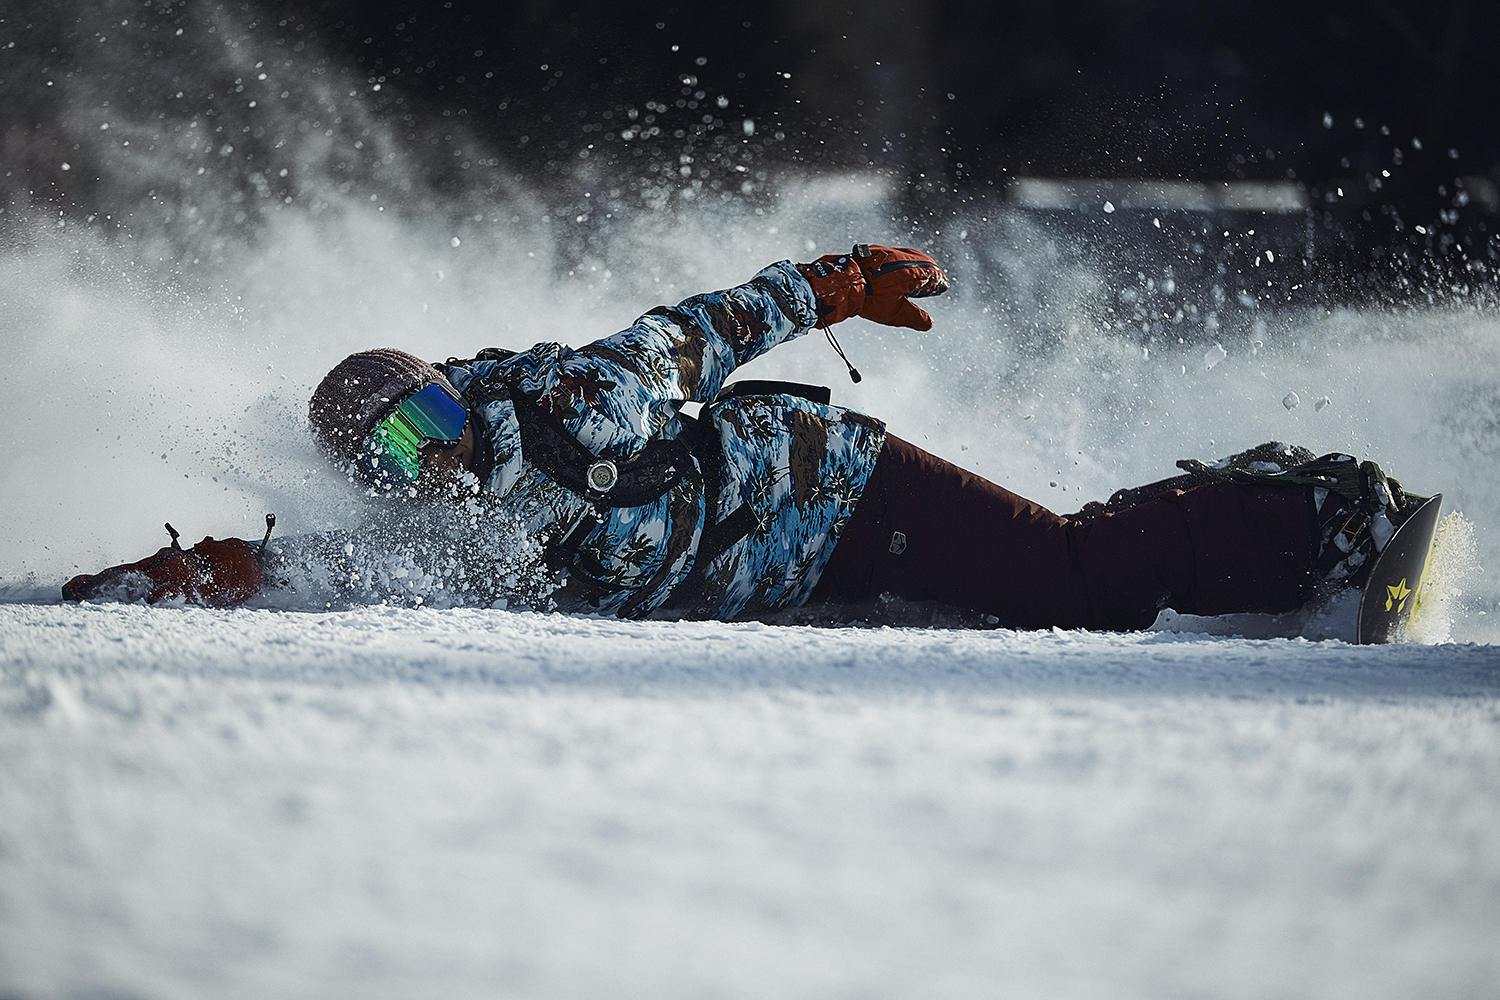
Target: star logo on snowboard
<point>1397,595</point>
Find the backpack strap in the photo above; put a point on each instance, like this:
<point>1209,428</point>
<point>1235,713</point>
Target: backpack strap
<point>770,387</point>
<point>547,444</point>
<point>551,447</point>
<point>488,354</point>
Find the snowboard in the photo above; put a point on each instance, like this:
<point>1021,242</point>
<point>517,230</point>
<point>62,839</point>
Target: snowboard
<point>1394,587</point>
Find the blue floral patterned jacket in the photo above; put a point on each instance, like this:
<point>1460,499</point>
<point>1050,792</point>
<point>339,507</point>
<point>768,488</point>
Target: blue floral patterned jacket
<point>799,466</point>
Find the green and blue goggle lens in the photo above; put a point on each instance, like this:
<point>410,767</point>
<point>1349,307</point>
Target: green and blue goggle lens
<point>393,451</point>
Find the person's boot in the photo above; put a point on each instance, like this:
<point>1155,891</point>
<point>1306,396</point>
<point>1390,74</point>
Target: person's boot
<point>1352,530</point>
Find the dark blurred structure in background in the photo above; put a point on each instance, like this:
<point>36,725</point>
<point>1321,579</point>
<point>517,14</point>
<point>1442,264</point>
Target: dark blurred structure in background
<point>1394,103</point>
<point>1382,113</point>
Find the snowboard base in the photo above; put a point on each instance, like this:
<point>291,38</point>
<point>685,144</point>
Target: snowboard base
<point>1394,587</point>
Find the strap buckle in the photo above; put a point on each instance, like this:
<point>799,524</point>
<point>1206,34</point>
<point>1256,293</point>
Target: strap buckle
<point>602,476</point>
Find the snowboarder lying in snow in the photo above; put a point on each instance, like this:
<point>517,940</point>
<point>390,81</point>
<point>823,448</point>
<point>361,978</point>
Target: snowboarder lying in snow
<point>771,497</point>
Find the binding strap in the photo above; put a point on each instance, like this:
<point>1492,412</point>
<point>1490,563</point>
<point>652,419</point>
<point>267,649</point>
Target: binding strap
<point>1362,485</point>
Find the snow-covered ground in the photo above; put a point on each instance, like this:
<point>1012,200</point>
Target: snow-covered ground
<point>401,802</point>
<point>398,801</point>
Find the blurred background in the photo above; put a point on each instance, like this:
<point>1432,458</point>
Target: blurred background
<point>1373,119</point>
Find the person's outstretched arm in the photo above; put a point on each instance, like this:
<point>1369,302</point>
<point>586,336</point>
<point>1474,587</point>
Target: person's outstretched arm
<point>626,386</point>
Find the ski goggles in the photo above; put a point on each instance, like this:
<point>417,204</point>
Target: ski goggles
<point>393,451</point>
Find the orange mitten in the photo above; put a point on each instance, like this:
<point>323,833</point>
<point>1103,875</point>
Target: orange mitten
<point>877,283</point>
<point>217,574</point>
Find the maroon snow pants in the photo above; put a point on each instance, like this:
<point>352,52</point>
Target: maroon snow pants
<point>925,529</point>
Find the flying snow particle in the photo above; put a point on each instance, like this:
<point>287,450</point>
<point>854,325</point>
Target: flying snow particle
<point>1109,207</point>
<point>1215,354</point>
<point>1290,400</point>
<point>454,242</point>
<point>1327,120</point>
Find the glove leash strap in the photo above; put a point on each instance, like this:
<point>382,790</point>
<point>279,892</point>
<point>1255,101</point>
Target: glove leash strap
<point>860,251</point>
<point>854,375</point>
<point>177,550</point>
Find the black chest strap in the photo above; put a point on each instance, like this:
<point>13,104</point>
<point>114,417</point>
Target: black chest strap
<point>603,482</point>
<point>548,445</point>
<point>661,465</point>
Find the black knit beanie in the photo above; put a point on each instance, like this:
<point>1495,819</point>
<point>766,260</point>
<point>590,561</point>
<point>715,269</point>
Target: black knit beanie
<point>360,391</point>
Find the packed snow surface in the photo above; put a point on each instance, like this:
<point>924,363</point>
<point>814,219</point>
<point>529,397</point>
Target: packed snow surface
<point>396,802</point>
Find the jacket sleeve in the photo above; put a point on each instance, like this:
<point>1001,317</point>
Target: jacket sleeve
<point>617,392</point>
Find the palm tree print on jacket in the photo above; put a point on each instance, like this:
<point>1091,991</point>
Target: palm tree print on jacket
<point>799,464</point>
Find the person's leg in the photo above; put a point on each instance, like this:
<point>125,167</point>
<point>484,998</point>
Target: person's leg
<point>1221,548</point>
<point>926,529</point>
